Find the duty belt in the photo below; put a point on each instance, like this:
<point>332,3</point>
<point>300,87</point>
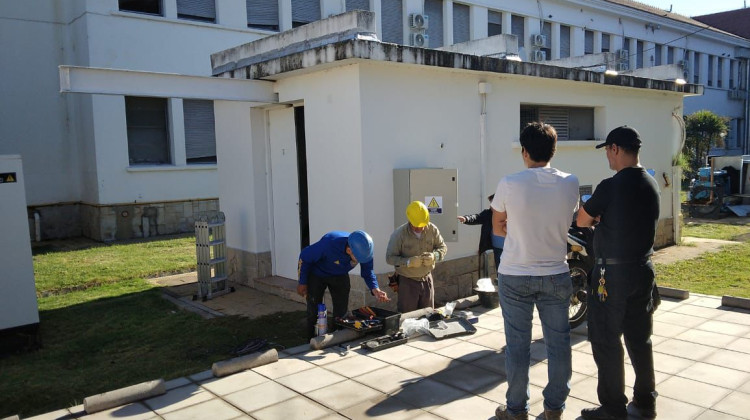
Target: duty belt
<point>615,261</point>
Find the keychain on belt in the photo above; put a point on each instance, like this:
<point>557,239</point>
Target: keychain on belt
<point>602,290</point>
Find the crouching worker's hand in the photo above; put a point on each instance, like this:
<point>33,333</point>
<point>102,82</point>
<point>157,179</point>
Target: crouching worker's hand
<point>302,290</point>
<point>380,295</point>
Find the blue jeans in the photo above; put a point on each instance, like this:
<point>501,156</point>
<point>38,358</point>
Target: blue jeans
<point>551,295</point>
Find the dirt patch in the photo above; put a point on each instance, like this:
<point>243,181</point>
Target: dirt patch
<point>689,249</point>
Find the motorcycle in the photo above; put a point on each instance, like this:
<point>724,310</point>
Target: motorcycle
<point>581,263</point>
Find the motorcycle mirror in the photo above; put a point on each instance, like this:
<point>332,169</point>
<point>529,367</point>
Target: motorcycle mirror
<point>585,197</point>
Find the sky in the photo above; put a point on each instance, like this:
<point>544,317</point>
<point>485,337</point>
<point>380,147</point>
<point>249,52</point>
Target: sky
<point>697,7</point>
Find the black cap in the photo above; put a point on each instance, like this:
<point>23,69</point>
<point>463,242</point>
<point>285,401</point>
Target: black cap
<point>623,136</point>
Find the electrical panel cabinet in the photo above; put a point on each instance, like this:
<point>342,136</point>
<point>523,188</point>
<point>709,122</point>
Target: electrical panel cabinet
<point>437,189</point>
<point>18,304</point>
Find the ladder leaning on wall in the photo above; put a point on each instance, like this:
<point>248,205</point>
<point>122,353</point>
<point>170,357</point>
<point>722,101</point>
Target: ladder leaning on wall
<point>210,250</point>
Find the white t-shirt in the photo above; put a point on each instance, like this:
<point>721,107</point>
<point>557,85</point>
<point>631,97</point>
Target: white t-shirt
<point>540,203</point>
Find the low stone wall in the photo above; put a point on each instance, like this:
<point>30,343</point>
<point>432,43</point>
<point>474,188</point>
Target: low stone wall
<point>664,233</point>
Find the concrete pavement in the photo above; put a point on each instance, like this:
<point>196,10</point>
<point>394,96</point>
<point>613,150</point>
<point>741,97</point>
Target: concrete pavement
<point>701,354</point>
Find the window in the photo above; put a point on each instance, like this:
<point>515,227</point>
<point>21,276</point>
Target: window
<point>494,23</point>
<point>696,68</point>
<point>605,43</point>
<point>711,60</point>
<point>588,42</point>
<point>516,28</point>
<point>571,123</point>
<point>262,14</point>
<point>304,12</point>
<point>564,41</point>
<point>434,10</point>
<point>639,54</point>
<point>460,23</point>
<point>200,134</point>
<point>657,55</point>
<point>152,7</point>
<point>585,190</point>
<point>357,5</point>
<point>148,135</point>
<point>547,32</point>
<point>200,10</point>
<point>732,66</point>
<point>392,18</point>
<point>670,55</point>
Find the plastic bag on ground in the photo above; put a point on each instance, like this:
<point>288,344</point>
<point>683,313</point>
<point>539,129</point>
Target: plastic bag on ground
<point>449,308</point>
<point>414,327</point>
<point>485,285</point>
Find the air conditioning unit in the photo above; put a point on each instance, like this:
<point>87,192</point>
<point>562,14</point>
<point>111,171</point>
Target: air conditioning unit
<point>623,66</point>
<point>418,21</point>
<point>538,40</point>
<point>623,54</point>
<point>538,55</point>
<point>684,64</point>
<point>737,94</point>
<point>420,40</point>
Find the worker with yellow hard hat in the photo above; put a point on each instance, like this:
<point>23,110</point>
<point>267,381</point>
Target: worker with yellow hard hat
<point>413,249</point>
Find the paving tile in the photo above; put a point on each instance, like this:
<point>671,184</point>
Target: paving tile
<point>706,338</point>
<point>582,346</point>
<point>729,328</point>
<point>669,304</point>
<point>707,301</point>
<point>383,407</point>
<point>355,366</point>
<point>745,388</point>
<point>202,376</point>
<point>397,354</point>
<point>585,390</point>
<point>232,383</point>
<point>491,323</point>
<point>670,364</point>
<point>52,415</point>
<point>428,394</point>
<point>493,340</point>
<point>693,392</point>
<point>737,316</point>
<point>730,359</point>
<point>469,378</point>
<point>583,363</point>
<point>682,320</point>
<point>178,398</point>
<point>176,383</point>
<point>295,408</point>
<point>333,416</point>
<point>684,349</point>
<point>497,394</point>
<point>283,367</point>
<point>323,357</point>
<point>389,379</point>
<point>310,379</point>
<point>715,375</point>
<point>215,409</point>
<point>740,344</point>
<point>736,403</point>
<point>494,361</point>
<point>699,311</point>
<point>630,375</point>
<point>343,394</point>
<point>428,343</point>
<point>302,348</point>
<point>473,407</point>
<point>134,411</point>
<point>260,396</point>
<point>464,351</point>
<point>715,415</point>
<point>663,329</point>
<point>429,364</point>
<point>669,408</point>
<point>573,407</point>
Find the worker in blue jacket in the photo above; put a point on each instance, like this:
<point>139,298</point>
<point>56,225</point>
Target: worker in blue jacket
<point>326,264</point>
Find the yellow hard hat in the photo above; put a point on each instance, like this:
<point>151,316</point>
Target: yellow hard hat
<point>417,214</point>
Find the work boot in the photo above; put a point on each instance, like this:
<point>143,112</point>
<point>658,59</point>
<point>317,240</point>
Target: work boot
<point>552,414</point>
<point>647,412</point>
<point>502,413</point>
<point>599,413</point>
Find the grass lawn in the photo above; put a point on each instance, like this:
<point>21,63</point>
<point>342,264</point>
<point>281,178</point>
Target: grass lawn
<point>103,327</point>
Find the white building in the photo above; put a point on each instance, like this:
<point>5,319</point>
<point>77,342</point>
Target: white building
<point>119,166</point>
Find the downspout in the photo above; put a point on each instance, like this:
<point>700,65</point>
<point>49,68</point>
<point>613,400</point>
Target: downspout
<point>484,88</point>
<point>746,146</point>
<point>37,226</point>
<point>677,181</point>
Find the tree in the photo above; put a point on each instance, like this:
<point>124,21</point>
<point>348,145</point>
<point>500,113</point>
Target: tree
<point>703,129</point>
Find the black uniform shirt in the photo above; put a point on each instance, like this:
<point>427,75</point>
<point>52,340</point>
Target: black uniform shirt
<point>628,204</point>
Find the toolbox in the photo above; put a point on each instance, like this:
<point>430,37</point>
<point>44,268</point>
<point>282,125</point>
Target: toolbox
<point>384,342</point>
<point>376,320</point>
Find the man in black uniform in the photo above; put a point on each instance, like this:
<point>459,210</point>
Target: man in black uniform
<point>620,302</point>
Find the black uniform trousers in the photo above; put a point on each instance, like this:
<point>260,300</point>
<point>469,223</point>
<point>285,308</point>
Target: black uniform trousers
<point>628,312</point>
<point>338,286</point>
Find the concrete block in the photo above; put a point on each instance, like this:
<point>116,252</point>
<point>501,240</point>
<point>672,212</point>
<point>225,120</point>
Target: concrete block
<point>735,302</point>
<point>673,293</point>
<point>123,396</point>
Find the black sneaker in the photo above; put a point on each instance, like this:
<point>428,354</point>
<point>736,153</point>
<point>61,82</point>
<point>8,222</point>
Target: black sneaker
<point>599,413</point>
<point>647,412</point>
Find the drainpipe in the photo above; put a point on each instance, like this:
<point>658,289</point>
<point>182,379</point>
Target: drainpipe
<point>484,89</point>
<point>677,181</point>
<point>37,226</point>
<point>746,146</point>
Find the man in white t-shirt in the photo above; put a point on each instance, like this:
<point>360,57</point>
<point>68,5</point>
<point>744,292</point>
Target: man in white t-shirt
<point>533,210</point>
